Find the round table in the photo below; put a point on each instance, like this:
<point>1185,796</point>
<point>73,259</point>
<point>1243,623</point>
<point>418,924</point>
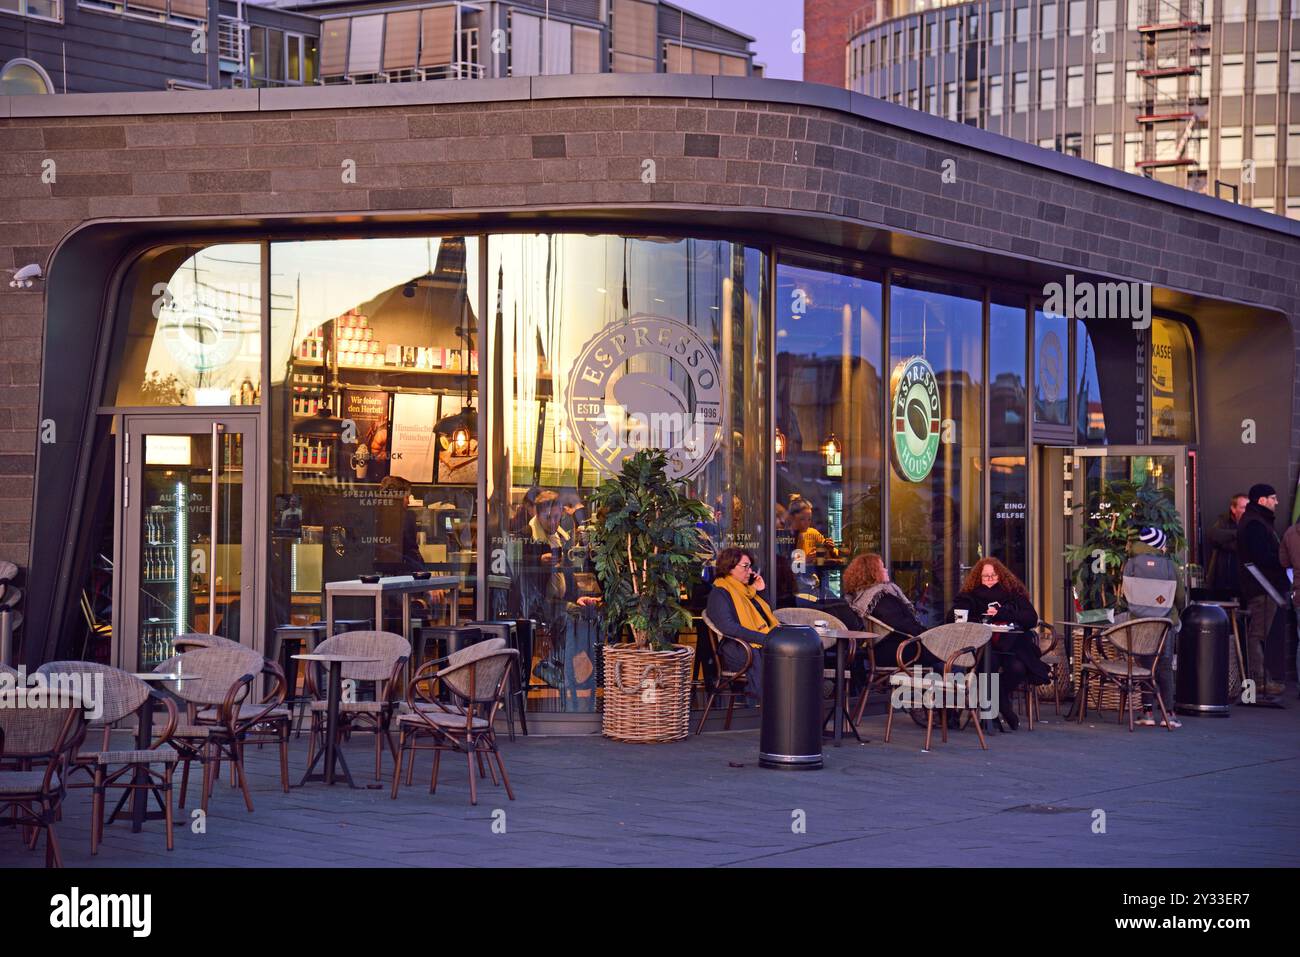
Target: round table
<point>330,752</point>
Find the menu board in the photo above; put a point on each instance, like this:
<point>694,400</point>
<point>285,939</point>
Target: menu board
<point>368,459</point>
<point>414,443</point>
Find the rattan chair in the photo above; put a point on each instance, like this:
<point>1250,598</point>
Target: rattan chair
<point>476,681</point>
<point>37,743</point>
<point>1048,643</point>
<point>215,718</point>
<point>1139,642</point>
<point>728,684</point>
<point>123,696</point>
<point>957,645</point>
<point>393,651</point>
<point>878,673</point>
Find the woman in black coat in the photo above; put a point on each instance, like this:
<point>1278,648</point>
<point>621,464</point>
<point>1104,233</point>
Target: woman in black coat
<point>993,594</point>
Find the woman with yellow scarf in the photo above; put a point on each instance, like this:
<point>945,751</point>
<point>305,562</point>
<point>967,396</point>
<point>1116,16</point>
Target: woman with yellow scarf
<point>737,611</point>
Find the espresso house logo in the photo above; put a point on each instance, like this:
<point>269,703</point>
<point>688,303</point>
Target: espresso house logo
<point>916,418</point>
<point>646,383</point>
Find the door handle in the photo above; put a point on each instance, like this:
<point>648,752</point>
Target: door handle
<point>212,540</point>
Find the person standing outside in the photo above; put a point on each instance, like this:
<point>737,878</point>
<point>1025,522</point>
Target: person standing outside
<point>1222,573</point>
<point>1154,589</point>
<point>1289,556</point>
<point>1258,545</point>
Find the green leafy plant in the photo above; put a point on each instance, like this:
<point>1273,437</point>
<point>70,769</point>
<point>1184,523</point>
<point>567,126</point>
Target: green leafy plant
<point>649,549</point>
<point>155,390</point>
<point>1114,515</point>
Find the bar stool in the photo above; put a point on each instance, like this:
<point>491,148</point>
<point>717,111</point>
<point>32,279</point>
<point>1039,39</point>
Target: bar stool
<point>287,641</point>
<point>509,631</point>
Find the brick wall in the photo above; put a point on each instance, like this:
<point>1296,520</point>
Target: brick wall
<point>826,29</point>
<point>586,151</point>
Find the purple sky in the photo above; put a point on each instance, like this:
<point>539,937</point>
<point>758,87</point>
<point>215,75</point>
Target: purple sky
<point>768,21</point>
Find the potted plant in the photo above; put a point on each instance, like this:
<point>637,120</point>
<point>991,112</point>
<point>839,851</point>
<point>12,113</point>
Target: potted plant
<point>649,551</point>
<point>1116,511</point>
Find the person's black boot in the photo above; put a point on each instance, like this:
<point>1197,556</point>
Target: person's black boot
<point>1011,718</point>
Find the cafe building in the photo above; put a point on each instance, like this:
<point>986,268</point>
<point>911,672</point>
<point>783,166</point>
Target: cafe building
<point>293,337</point>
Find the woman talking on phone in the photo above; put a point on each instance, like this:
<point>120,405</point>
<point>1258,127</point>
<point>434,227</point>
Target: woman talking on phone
<point>737,611</point>
<point>993,594</point>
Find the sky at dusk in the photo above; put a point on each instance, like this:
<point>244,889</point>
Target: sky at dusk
<point>770,22</point>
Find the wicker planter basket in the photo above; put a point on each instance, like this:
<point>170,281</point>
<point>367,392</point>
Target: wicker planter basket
<point>659,711</point>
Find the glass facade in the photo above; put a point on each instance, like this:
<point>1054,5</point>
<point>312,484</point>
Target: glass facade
<point>936,495</point>
<point>446,404</point>
<point>830,454</point>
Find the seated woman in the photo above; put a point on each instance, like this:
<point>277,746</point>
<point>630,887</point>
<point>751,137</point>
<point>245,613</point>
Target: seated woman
<point>870,592</point>
<point>737,611</point>
<point>992,593</point>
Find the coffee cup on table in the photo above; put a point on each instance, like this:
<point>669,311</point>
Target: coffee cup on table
<point>960,614</point>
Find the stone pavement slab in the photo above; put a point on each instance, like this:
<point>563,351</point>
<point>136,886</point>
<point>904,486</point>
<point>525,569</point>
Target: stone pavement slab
<point>1216,793</point>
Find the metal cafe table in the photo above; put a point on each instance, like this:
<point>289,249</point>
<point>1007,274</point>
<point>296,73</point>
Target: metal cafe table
<point>330,751</point>
<point>842,638</point>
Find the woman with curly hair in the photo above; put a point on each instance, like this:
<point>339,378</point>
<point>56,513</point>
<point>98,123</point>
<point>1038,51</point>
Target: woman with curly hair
<point>870,592</point>
<point>992,593</point>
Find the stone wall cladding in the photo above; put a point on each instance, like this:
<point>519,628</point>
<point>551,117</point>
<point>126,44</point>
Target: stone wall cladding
<point>579,151</point>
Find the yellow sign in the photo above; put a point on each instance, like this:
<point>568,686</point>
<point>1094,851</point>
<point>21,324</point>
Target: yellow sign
<point>1162,380</point>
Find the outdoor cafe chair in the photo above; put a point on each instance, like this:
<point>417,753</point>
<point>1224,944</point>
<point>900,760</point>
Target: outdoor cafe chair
<point>256,721</point>
<point>879,673</point>
<point>1051,656</point>
<point>726,684</point>
<point>425,697</point>
<point>477,682</point>
<point>215,717</point>
<point>392,652</point>
<point>957,645</point>
<point>35,746</point>
<point>1139,642</point>
<point>123,697</point>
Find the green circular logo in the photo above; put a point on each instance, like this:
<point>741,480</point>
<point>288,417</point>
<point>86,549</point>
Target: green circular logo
<point>916,419</point>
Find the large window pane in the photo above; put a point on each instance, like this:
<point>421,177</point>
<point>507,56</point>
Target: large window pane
<point>602,345</point>
<point>936,400</point>
<point>1091,416</point>
<point>193,336</point>
<point>1172,404</point>
<point>828,393</point>
<point>1008,433</point>
<point>374,350</point>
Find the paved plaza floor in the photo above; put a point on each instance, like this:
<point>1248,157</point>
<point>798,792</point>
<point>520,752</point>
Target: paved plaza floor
<point>1216,793</point>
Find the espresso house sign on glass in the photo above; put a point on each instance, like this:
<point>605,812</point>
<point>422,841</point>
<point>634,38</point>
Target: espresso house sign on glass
<point>646,382</point>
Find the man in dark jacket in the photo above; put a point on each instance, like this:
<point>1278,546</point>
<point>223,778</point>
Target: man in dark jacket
<point>1222,573</point>
<point>1258,545</point>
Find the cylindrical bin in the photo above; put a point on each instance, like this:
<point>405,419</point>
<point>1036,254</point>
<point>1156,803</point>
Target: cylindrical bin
<point>1202,681</point>
<point>791,736</point>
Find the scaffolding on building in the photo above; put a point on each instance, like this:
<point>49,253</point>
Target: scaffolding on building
<point>1175,41</point>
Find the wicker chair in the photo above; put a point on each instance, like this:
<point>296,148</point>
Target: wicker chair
<point>424,697</point>
<point>215,715</point>
<point>123,696</point>
<point>393,651</point>
<point>1048,643</point>
<point>728,684</point>
<point>31,797</point>
<point>958,645</point>
<point>477,681</point>
<point>878,673</point>
<point>1139,642</point>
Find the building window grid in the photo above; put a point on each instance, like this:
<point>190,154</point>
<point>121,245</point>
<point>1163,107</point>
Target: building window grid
<point>1047,89</point>
<point>122,8</point>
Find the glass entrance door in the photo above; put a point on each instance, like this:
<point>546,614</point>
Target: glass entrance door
<point>1103,483</point>
<point>187,533</point>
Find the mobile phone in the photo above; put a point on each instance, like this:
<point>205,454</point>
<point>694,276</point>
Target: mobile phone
<point>753,575</point>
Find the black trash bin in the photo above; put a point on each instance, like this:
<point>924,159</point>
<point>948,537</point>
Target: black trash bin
<point>1202,678</point>
<point>791,734</point>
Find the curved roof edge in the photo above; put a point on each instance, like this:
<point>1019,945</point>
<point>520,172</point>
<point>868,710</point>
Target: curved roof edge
<point>675,86</point>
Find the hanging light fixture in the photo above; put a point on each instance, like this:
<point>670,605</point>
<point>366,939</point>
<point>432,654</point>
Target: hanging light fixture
<point>778,445</point>
<point>322,423</point>
<point>831,451</point>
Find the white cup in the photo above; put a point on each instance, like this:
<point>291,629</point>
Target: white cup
<point>960,614</point>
